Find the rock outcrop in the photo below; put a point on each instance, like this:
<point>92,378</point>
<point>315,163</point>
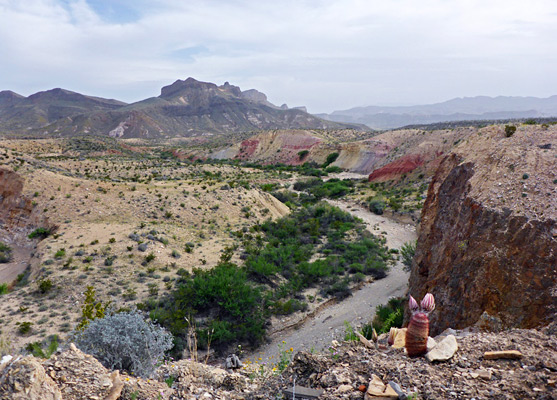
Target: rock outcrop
<point>26,379</point>
<point>17,214</point>
<point>348,373</point>
<point>488,239</point>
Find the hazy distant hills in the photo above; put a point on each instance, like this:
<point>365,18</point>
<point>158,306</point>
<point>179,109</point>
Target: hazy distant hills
<point>459,109</point>
<point>185,108</point>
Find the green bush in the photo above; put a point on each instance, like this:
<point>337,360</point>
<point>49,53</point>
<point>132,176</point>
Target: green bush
<point>510,130</point>
<point>407,252</point>
<point>38,349</point>
<point>376,206</point>
<point>3,288</point>
<point>5,253</point>
<point>331,158</point>
<point>303,153</point>
<point>40,233</point>
<point>45,286</point>
<point>389,315</point>
<point>25,327</point>
<point>224,293</point>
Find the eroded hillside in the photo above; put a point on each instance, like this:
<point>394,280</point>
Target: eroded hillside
<point>487,247</point>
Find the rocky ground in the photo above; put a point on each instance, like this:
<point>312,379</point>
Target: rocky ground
<point>344,373</point>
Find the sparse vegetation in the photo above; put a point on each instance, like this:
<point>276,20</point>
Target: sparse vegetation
<point>125,341</point>
<point>5,253</point>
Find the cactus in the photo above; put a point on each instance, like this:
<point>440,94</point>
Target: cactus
<point>418,328</point>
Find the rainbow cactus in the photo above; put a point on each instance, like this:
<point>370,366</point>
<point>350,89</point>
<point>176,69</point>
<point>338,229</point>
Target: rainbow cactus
<point>418,328</point>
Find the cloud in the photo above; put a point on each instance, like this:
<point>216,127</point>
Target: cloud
<point>327,54</point>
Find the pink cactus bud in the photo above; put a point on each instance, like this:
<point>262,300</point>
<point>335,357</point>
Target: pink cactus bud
<point>413,305</point>
<point>428,303</point>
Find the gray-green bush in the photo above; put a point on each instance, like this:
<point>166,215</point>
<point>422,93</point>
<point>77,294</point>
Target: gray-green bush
<point>125,341</point>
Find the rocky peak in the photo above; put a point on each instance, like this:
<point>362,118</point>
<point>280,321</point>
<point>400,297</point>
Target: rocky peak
<point>255,95</point>
<point>234,90</point>
<point>188,87</point>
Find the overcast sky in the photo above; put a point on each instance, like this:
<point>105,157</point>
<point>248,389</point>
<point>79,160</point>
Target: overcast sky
<point>327,55</point>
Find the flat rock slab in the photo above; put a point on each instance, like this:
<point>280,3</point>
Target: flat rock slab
<point>506,354</point>
<point>300,392</point>
<point>377,390</point>
<point>444,350</point>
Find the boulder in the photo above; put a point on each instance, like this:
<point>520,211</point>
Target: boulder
<point>26,379</point>
<point>444,350</point>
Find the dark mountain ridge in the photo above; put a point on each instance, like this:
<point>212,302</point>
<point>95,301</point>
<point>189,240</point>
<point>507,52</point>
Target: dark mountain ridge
<point>184,108</point>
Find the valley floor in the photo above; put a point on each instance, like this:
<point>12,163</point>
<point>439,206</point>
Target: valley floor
<point>318,332</point>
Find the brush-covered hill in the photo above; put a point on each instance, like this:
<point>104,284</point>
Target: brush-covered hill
<point>185,108</point>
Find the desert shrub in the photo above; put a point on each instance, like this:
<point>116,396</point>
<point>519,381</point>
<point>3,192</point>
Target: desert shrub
<point>395,203</point>
<point>331,158</point>
<point>389,315</point>
<point>40,233</point>
<point>333,188</point>
<point>288,307</point>
<point>45,286</point>
<point>510,130</point>
<point>25,327</point>
<point>376,206</point>
<point>91,309</point>
<point>3,288</point>
<point>108,261</point>
<point>5,253</point>
<point>43,350</point>
<point>303,153</point>
<point>60,254</point>
<point>224,293</point>
<point>125,341</point>
<point>407,252</point>
<point>333,169</point>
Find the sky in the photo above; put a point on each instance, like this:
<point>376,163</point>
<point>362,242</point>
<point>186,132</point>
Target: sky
<point>324,54</point>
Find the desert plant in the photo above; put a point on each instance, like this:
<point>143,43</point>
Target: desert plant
<point>45,285</point>
<point>40,233</point>
<point>125,341</point>
<point>418,327</point>
<point>407,252</point>
<point>376,206</point>
<point>5,253</point>
<point>389,315</point>
<point>36,348</point>
<point>25,327</point>
<point>91,309</point>
<point>3,288</point>
<point>331,158</point>
<point>510,130</point>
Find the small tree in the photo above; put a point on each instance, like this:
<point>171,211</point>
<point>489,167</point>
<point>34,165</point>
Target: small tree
<point>125,341</point>
<point>91,309</point>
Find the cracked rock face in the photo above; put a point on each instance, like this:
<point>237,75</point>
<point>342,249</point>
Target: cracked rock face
<point>481,248</point>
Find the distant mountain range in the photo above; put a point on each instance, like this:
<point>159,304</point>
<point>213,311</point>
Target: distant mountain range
<point>185,108</point>
<point>459,109</point>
